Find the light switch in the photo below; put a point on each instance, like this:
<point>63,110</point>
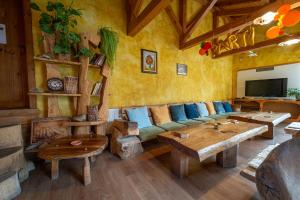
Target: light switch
<point>3,34</point>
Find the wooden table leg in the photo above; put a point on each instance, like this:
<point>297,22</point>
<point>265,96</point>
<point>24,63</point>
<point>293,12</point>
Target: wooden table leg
<point>228,158</point>
<point>86,171</point>
<point>269,133</point>
<point>180,163</point>
<point>54,169</point>
<point>93,159</point>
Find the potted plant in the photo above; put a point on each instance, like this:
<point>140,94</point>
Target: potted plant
<point>108,45</point>
<point>294,92</point>
<point>57,21</point>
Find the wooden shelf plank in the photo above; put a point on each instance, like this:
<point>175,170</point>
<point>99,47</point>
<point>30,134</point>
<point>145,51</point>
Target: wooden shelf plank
<point>85,123</point>
<point>63,62</point>
<point>53,94</point>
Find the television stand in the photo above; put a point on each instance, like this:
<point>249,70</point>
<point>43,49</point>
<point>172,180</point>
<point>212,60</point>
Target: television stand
<point>274,105</point>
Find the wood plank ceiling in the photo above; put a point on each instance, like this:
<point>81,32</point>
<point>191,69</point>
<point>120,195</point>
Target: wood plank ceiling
<point>237,14</point>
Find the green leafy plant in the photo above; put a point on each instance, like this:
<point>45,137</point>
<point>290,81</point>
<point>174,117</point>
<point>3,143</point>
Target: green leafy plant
<point>85,52</point>
<point>293,92</point>
<point>58,19</point>
<point>109,44</point>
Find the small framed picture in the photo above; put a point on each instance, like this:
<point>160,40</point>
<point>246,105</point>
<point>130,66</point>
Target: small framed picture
<point>149,61</point>
<point>181,69</point>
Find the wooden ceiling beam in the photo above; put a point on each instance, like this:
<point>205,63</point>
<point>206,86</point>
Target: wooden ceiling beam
<point>182,13</point>
<point>174,19</point>
<point>150,12</point>
<point>235,25</point>
<point>136,7</point>
<point>198,17</point>
<point>237,12</point>
<point>260,45</point>
<point>234,2</point>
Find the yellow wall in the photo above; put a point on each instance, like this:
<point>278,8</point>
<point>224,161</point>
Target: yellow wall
<point>207,79</point>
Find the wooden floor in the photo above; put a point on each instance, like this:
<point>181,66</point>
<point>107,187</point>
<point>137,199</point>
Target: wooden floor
<point>148,177</point>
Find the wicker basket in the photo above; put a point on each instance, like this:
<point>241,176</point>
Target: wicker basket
<point>92,113</point>
<point>71,85</point>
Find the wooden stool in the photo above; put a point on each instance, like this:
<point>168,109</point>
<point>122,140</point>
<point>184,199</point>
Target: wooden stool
<point>293,129</point>
<point>128,147</point>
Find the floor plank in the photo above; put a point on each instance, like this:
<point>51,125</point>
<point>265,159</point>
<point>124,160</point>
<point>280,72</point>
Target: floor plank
<point>148,177</point>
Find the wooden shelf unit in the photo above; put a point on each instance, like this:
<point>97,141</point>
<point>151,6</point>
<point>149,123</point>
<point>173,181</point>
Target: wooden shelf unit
<point>53,94</point>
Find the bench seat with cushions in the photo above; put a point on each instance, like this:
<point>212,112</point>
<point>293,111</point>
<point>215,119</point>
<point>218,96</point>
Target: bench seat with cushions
<point>158,119</point>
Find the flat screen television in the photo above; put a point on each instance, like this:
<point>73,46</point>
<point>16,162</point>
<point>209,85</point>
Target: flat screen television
<point>267,88</point>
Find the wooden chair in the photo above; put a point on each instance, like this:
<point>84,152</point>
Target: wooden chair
<point>278,177</point>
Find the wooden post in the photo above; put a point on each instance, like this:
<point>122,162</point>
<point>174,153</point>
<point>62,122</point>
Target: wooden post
<point>269,133</point>
<point>180,163</point>
<point>228,158</point>
<point>54,169</point>
<point>103,105</point>
<point>86,171</point>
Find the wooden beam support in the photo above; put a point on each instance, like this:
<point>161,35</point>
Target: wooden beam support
<point>260,45</point>
<point>135,9</point>
<point>238,12</point>
<point>182,14</point>
<point>198,17</point>
<point>149,13</point>
<point>174,20</point>
<point>235,25</point>
<point>235,2</point>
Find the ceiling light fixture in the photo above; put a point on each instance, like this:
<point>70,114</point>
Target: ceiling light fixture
<point>265,19</point>
<point>289,42</point>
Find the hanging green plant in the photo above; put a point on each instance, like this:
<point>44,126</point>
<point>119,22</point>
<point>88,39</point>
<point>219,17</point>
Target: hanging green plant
<point>85,52</point>
<point>109,44</point>
<point>58,20</point>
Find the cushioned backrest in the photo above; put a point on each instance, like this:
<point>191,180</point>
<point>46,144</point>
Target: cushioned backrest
<point>202,109</point>
<point>160,114</point>
<point>177,113</point>
<point>227,107</point>
<point>219,107</point>
<point>210,108</point>
<point>139,115</point>
<point>191,111</point>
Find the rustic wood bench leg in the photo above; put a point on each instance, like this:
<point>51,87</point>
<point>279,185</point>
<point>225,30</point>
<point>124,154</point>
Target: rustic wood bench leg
<point>93,159</point>
<point>180,163</point>
<point>86,171</point>
<point>228,158</point>
<point>54,169</point>
<point>269,133</point>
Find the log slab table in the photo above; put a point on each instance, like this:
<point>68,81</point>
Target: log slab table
<point>206,140</point>
<point>60,149</point>
<point>266,118</point>
<point>293,129</point>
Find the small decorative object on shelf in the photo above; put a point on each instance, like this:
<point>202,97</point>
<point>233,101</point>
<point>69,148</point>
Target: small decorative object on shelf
<point>97,89</point>
<point>93,114</point>
<point>55,84</point>
<point>98,59</point>
<point>71,84</point>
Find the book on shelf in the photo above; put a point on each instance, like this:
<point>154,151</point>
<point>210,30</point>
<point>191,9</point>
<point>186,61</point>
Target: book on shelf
<point>98,59</point>
<point>97,89</point>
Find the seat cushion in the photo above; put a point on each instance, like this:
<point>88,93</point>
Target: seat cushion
<point>139,115</point>
<point>202,109</point>
<point>160,114</point>
<point>218,116</point>
<point>150,133</point>
<point>190,122</point>
<point>227,107</point>
<point>210,108</point>
<point>191,111</point>
<point>178,113</point>
<point>204,119</point>
<point>219,107</point>
<point>171,126</point>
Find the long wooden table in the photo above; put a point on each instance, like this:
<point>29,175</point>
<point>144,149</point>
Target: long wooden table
<point>60,149</point>
<point>207,140</point>
<point>270,119</point>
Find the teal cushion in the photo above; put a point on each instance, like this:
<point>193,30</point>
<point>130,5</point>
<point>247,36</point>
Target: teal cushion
<point>139,115</point>
<point>202,109</point>
<point>150,133</point>
<point>171,126</point>
<point>191,111</point>
<point>218,116</point>
<point>219,107</point>
<point>204,119</point>
<point>177,113</point>
<point>190,122</point>
<point>227,107</point>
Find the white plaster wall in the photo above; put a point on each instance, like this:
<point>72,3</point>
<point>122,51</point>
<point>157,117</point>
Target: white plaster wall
<point>291,71</point>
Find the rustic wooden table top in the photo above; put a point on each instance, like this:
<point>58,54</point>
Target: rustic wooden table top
<point>204,140</point>
<point>62,149</point>
<point>273,117</point>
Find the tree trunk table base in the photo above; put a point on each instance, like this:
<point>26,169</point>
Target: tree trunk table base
<point>293,129</point>
<point>228,158</point>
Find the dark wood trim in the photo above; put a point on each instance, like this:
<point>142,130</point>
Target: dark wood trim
<point>174,20</point>
<point>235,2</point>
<point>238,11</point>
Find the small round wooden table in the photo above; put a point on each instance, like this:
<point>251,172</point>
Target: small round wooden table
<point>60,149</point>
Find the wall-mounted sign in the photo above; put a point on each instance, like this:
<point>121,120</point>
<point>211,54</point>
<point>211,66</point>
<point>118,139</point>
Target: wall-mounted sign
<point>234,41</point>
<point>2,34</point>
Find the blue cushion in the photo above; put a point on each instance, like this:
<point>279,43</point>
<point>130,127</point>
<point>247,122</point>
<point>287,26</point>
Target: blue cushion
<point>219,107</point>
<point>202,109</point>
<point>177,113</point>
<point>191,111</point>
<point>139,115</point>
<point>227,107</point>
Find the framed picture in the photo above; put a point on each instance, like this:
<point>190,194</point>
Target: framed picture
<point>181,69</point>
<point>149,61</point>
